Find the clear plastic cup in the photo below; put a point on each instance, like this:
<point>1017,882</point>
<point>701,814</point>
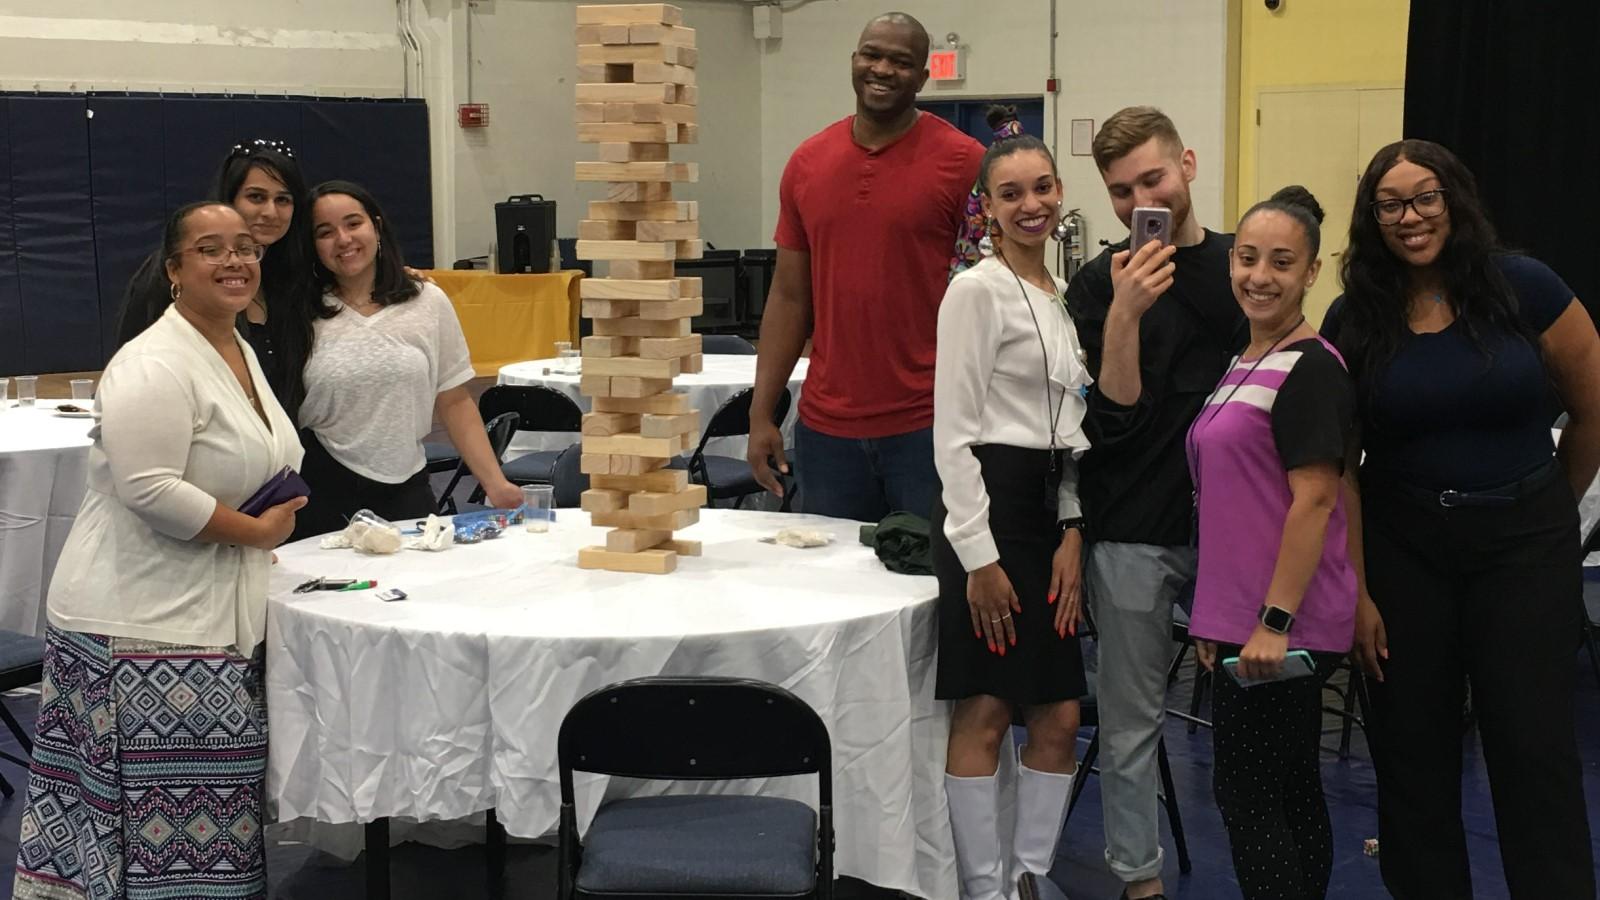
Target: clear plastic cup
<point>571,362</point>
<point>27,389</point>
<point>83,388</point>
<point>5,393</point>
<point>538,505</point>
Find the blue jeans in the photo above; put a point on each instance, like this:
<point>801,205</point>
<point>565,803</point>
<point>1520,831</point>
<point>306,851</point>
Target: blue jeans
<point>864,478</point>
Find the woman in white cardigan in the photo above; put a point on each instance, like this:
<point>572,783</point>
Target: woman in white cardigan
<point>150,757</point>
<point>1007,532</point>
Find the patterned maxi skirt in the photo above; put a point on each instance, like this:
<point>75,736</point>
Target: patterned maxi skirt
<point>149,766</point>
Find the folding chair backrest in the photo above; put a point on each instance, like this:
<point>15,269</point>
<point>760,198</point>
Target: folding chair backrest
<point>500,430</point>
<point>694,729</point>
<point>726,345</point>
<point>541,408</point>
<point>733,417</point>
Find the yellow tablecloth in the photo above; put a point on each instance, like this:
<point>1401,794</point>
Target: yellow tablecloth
<point>509,318</point>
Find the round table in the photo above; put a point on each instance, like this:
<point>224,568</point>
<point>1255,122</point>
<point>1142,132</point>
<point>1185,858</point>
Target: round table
<point>722,376</point>
<point>448,703</point>
<point>44,463</point>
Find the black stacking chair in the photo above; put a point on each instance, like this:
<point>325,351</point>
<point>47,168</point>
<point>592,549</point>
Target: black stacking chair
<point>500,429</point>
<point>21,664</point>
<point>727,345</point>
<point>540,408</point>
<point>724,476</point>
<point>700,845</point>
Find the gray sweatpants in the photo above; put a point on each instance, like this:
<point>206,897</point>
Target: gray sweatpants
<point>1130,589</point>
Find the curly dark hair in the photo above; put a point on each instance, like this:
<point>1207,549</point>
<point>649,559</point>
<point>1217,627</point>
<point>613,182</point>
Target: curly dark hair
<point>1374,317</point>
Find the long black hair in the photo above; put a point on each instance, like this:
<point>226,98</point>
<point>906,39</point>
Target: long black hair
<point>1374,318</point>
<point>390,283</point>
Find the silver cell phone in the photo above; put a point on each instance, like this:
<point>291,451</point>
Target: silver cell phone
<point>390,595</point>
<point>1149,223</point>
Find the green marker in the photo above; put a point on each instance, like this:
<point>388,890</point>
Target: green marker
<point>359,586</point>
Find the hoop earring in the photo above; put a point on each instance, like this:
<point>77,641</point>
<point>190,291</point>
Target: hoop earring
<point>176,292</point>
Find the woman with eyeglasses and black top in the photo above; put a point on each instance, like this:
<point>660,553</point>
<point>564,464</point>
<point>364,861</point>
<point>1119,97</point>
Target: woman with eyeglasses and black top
<point>1463,355</point>
<point>1007,532</point>
<point>262,180</point>
<point>388,357</point>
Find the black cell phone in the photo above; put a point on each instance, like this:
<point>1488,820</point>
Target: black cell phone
<point>1149,223</point>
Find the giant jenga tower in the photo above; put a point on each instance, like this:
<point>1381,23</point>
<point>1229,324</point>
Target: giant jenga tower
<point>636,98</point>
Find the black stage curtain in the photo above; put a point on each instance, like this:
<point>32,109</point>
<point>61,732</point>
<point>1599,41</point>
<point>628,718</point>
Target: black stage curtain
<point>1513,88</point>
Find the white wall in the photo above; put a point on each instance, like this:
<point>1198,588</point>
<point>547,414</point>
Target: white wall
<point>1110,54</point>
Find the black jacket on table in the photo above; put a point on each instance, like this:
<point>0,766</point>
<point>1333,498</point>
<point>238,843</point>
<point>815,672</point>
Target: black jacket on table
<point>1134,480</point>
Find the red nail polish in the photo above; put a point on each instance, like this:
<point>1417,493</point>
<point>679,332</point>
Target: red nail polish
<point>1051,598</point>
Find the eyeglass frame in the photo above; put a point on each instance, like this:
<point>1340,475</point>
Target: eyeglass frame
<point>1411,202</point>
<point>261,252</point>
<point>248,148</point>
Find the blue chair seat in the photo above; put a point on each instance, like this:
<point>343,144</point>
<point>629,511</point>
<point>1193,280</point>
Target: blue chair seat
<point>441,457</point>
<point>732,477</point>
<point>701,845</point>
<point>19,653</point>
<point>538,467</point>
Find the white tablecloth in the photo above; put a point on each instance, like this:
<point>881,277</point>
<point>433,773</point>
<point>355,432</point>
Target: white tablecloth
<point>44,460</point>
<point>724,375</point>
<point>449,702</point>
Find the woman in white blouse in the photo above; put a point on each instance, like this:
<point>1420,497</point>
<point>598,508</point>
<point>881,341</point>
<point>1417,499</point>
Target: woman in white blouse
<point>1007,533</point>
<point>150,756</point>
<point>388,355</point>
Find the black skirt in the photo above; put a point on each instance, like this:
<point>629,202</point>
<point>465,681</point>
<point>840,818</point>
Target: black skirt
<point>338,493</point>
<point>1043,667</point>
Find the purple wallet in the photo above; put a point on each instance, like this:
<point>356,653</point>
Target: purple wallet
<point>280,488</point>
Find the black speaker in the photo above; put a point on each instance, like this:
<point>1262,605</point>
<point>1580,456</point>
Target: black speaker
<point>525,233</point>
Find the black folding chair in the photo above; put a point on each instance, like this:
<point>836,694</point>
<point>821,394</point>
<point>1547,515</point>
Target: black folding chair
<point>539,408</point>
<point>724,476</point>
<point>21,664</point>
<point>500,429</point>
<point>701,845</point>
<point>726,345</point>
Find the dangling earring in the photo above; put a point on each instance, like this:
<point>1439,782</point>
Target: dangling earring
<point>176,292</point>
<point>379,253</point>
<point>1060,232</point>
<point>986,243</point>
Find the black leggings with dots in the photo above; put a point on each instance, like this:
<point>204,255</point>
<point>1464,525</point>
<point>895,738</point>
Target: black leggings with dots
<point>1268,784</point>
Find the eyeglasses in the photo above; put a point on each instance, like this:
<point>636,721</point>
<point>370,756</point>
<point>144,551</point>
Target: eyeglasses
<point>215,255</point>
<point>247,148</point>
<point>1427,204</point>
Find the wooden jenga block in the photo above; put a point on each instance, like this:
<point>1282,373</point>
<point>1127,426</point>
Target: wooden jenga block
<point>669,481</point>
<point>635,387</point>
<point>667,348</point>
<point>594,385</point>
<point>602,500</point>
<point>611,73</point>
<point>641,269</point>
<point>651,425</point>
<point>611,464</point>
<point>597,345</point>
<point>593,129</point>
<point>627,92</point>
<point>630,445</point>
<point>667,231</point>
<point>653,72</point>
<point>599,54</point>
<point>638,171</point>
<point>694,364</point>
<point>687,134</point>
<point>630,14</point>
<point>661,34</point>
<point>645,113</point>
<point>651,503</point>
<point>670,403</point>
<point>634,192</point>
<point>682,548</point>
<point>636,327</point>
<point>607,230</point>
<point>604,424</point>
<point>632,365</point>
<point>626,250</point>
<point>686,95</point>
<point>670,521</point>
<point>628,289</point>
<point>690,287</point>
<point>671,309</point>
<point>645,562</point>
<point>694,249</point>
<point>610,309</point>
<point>659,211</point>
<point>632,540</point>
<point>633,152</point>
<point>603,34</point>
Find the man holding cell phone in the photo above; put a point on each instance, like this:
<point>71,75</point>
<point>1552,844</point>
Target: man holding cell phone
<point>1158,324</point>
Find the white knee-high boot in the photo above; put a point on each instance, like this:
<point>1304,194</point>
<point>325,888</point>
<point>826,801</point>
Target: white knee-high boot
<point>974,809</point>
<point>1041,811</point>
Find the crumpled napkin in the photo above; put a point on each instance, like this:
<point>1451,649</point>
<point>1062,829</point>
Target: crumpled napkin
<point>365,536</point>
<point>800,538</point>
<point>436,535</point>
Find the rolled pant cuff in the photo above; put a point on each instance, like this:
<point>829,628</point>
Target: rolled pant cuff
<point>1130,874</point>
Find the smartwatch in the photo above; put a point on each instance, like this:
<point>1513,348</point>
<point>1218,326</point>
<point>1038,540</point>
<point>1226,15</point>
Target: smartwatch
<point>1276,618</point>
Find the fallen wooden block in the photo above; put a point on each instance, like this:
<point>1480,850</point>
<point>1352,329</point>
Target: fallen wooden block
<point>645,562</point>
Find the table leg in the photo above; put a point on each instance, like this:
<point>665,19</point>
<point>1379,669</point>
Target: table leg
<point>378,859</point>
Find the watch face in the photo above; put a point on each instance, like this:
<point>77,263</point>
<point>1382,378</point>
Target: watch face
<point>1276,619</point>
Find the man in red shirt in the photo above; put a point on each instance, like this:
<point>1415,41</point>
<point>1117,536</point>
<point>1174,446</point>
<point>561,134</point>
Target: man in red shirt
<point>869,212</point>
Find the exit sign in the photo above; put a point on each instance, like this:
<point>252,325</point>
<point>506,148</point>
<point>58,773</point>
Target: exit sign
<point>946,65</point>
